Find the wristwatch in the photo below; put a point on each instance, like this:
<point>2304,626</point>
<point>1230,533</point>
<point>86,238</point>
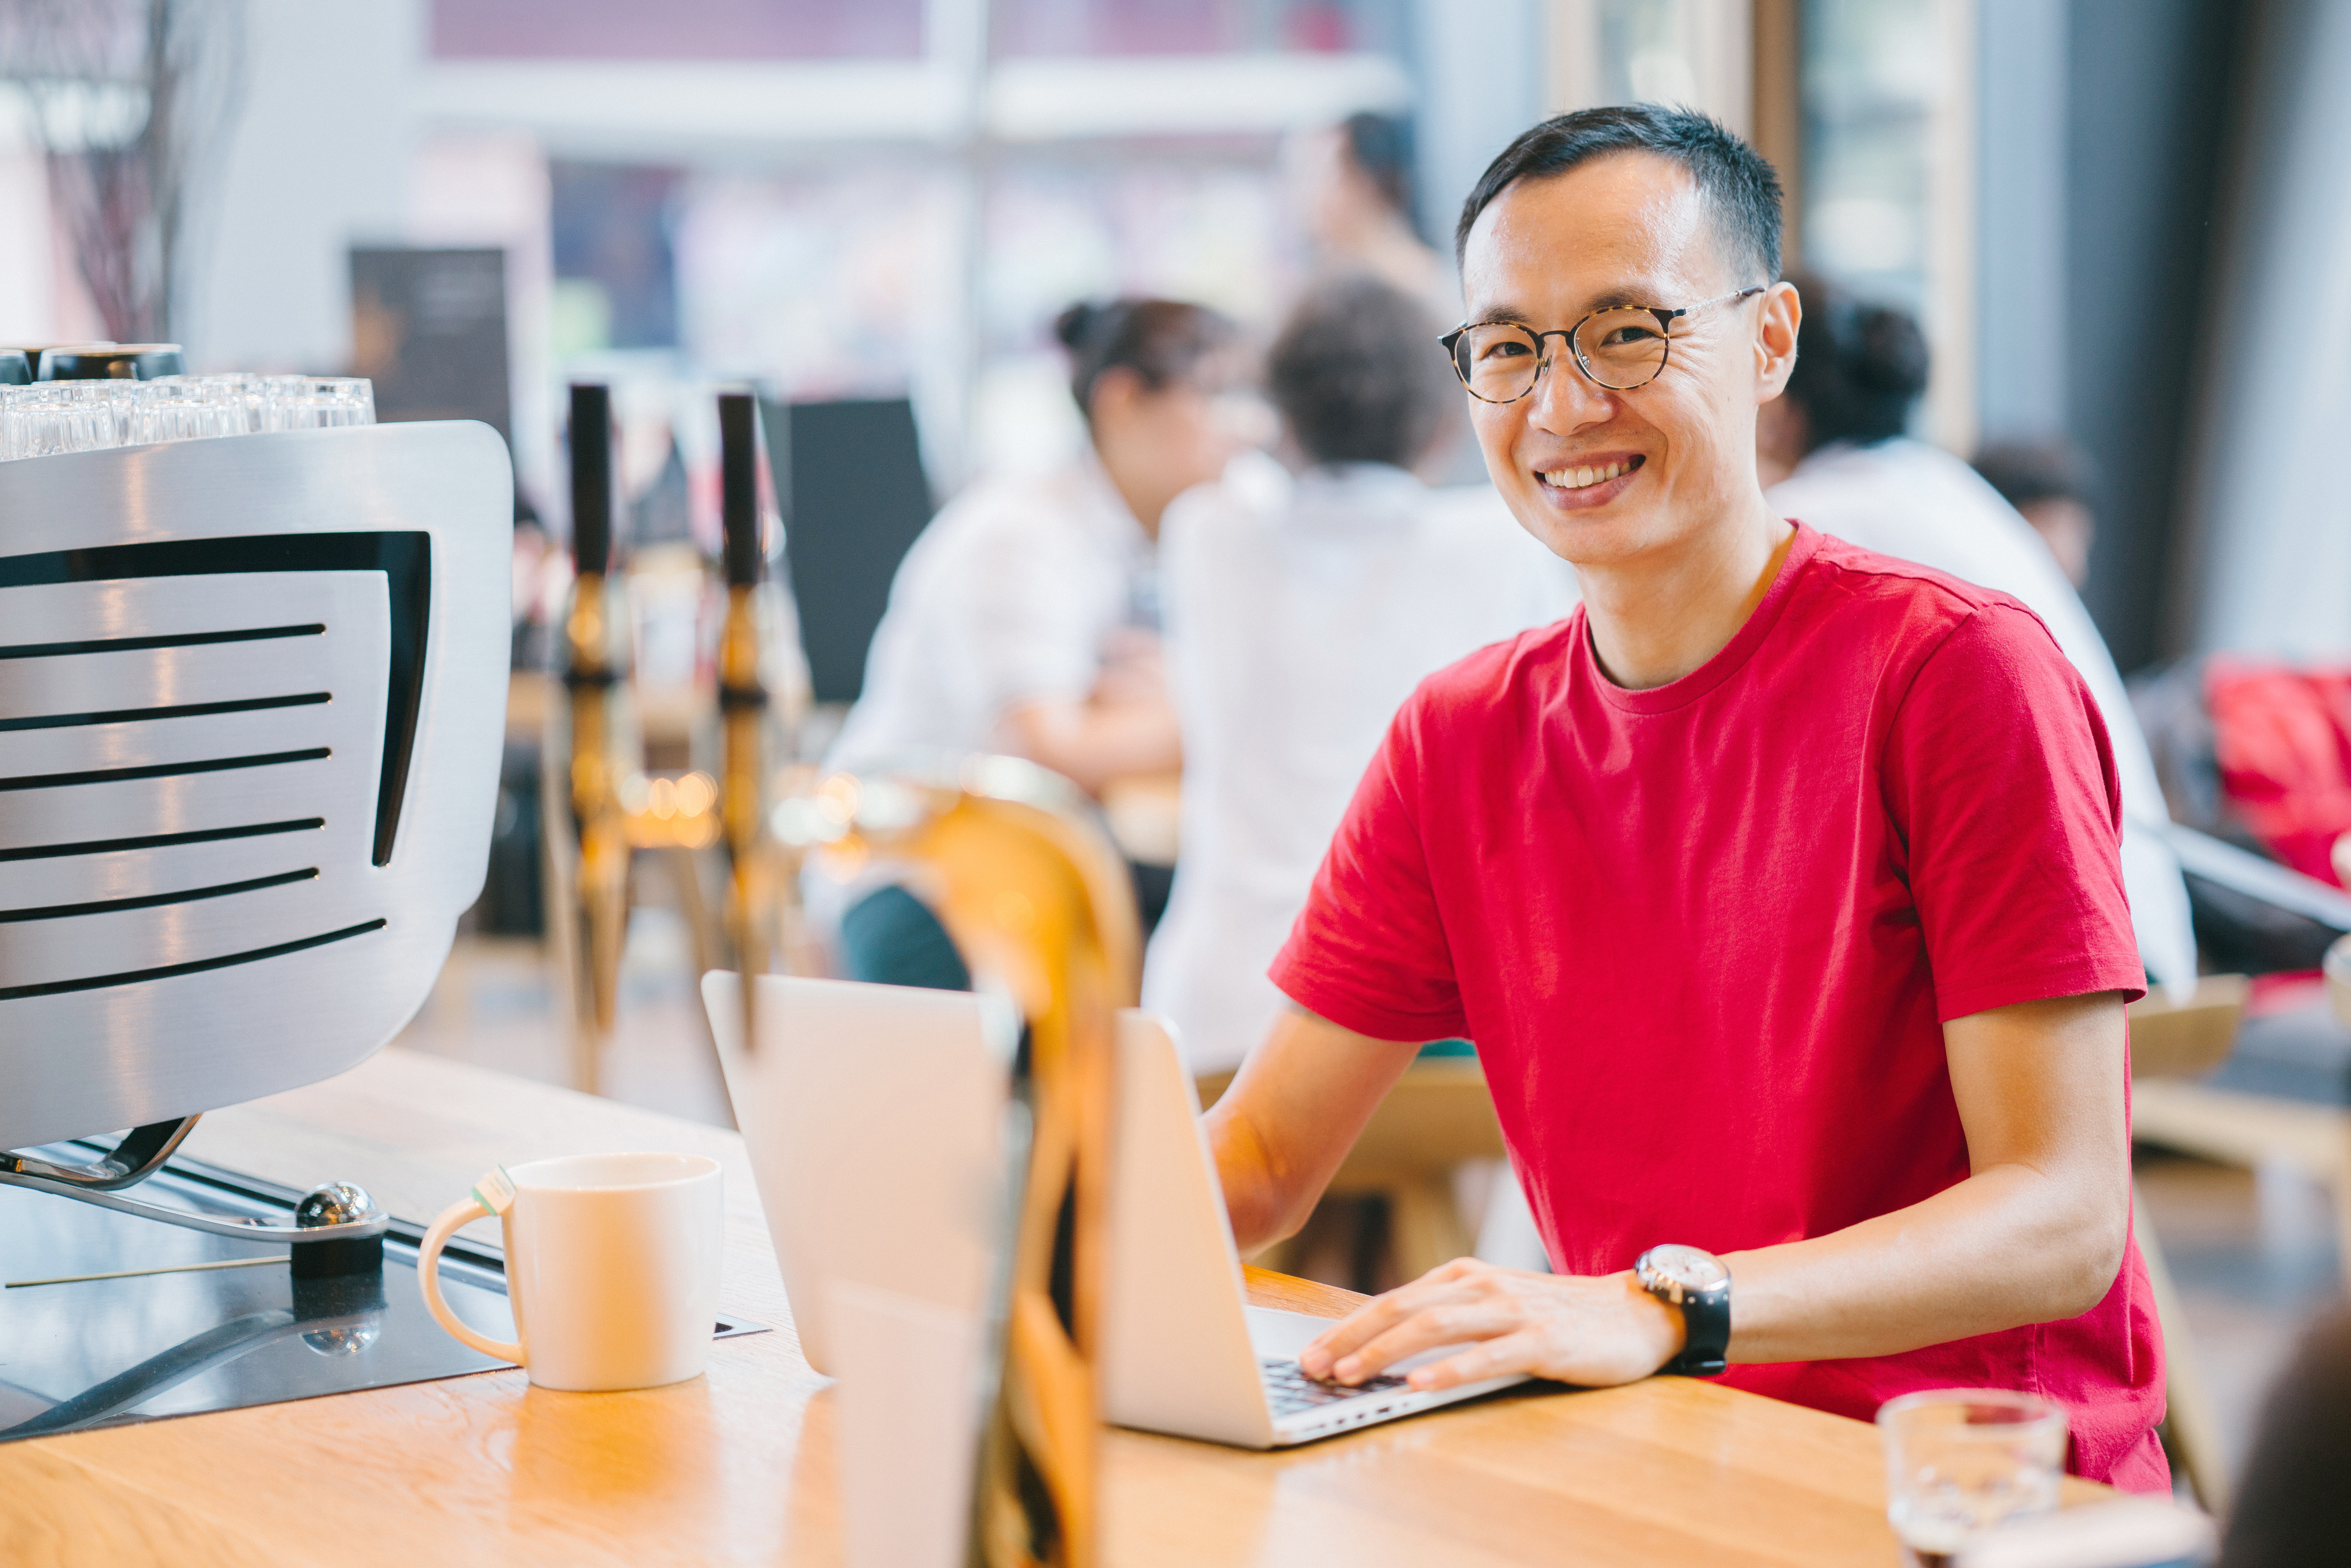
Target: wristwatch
<point>1699,1284</point>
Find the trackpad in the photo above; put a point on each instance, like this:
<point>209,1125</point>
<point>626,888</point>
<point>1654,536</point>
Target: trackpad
<point>1277,1335</point>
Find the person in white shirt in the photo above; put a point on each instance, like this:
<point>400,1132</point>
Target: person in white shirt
<point>1832,451</point>
<point>1024,618</point>
<point>1299,615</point>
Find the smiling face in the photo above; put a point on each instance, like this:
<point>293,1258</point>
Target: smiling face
<point>1628,228</point>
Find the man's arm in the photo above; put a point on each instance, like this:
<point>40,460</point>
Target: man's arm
<point>1297,1107</point>
<point>2035,1233</point>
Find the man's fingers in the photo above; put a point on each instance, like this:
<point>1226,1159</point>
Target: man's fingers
<point>1377,1316</point>
<point>1358,1328</point>
<point>1500,1357</point>
<point>1449,1325</point>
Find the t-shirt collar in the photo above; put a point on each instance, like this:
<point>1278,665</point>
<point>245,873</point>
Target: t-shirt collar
<point>1725,663</point>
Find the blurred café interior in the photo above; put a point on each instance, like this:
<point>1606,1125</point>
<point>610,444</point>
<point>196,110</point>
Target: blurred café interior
<point>753,291</point>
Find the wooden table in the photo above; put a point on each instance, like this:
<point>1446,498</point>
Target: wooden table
<point>737,1466</point>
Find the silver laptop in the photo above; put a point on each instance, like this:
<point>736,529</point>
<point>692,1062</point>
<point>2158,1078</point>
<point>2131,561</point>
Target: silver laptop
<point>871,1113</point>
<point>1184,1351</point>
<point>871,1116</point>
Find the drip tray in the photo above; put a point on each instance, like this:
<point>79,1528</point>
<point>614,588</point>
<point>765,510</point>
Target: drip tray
<point>84,1353</point>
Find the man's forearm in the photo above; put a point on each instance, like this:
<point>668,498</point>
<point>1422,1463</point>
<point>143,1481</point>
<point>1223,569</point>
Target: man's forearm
<point>1254,1195</point>
<point>2008,1246</point>
<point>1291,1116</point>
<point>2035,1234</point>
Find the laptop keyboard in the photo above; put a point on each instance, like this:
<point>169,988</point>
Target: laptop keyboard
<point>1289,1390</point>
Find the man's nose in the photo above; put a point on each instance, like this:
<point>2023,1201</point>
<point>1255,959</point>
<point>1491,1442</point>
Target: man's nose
<point>1564,399</point>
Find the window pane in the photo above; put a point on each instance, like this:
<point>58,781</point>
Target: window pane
<point>834,281</point>
<point>1871,85</point>
<point>702,30</point>
<point>1045,28</point>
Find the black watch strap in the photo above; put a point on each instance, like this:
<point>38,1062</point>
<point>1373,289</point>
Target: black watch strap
<point>1706,1322</point>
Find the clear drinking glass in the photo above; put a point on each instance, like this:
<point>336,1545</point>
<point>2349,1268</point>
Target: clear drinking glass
<point>47,418</point>
<point>242,395</point>
<point>116,401</point>
<point>317,403</point>
<point>175,408</point>
<point>1961,1461</point>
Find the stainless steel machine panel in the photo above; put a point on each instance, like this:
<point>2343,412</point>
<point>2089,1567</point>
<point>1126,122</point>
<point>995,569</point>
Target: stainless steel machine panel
<point>252,695</point>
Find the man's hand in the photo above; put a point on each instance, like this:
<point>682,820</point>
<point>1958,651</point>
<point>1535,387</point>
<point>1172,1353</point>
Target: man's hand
<point>1593,1332</point>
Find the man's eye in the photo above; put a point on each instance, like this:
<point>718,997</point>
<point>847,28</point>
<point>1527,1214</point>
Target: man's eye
<point>1628,335</point>
<point>1508,348</point>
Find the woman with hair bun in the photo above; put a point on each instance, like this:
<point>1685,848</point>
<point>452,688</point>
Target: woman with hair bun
<point>1023,620</point>
<point>1833,451</point>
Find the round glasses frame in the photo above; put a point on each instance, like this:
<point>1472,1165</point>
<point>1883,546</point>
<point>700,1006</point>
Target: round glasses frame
<point>1666,317</point>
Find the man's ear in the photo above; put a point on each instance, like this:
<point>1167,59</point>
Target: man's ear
<point>1775,340</point>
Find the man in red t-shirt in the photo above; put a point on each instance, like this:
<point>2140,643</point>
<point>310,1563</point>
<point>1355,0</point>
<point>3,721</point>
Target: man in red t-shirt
<point>1777,886</point>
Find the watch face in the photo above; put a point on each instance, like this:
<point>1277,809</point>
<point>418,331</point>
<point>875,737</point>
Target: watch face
<point>1688,1267</point>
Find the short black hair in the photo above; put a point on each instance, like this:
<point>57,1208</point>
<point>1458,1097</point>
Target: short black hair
<point>1356,375</point>
<point>1737,181</point>
<point>1860,367</point>
<point>1162,340</point>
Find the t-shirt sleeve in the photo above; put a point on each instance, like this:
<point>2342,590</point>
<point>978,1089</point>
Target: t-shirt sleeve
<point>1368,951</point>
<point>2003,786</point>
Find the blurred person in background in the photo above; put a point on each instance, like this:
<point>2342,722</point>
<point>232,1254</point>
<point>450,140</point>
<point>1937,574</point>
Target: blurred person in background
<point>1024,620</point>
<point>1832,451</point>
<point>1355,197</point>
<point>2292,1508</point>
<point>2051,485</point>
<point>1354,188</point>
<point>1300,613</point>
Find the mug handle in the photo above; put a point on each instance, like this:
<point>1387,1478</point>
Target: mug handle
<point>466,1211</point>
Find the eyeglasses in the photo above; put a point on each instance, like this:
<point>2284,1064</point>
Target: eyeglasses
<point>1621,348</point>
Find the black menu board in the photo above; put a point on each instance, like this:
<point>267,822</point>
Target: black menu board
<point>429,329</point>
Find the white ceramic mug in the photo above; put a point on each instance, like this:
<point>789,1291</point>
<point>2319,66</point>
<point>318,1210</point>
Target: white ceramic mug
<point>612,1265</point>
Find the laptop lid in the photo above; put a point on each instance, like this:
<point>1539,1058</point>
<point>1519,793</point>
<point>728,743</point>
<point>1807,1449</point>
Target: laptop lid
<point>1176,1356</point>
<point>871,1115</point>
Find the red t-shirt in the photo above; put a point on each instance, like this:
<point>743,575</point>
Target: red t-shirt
<point>1705,935</point>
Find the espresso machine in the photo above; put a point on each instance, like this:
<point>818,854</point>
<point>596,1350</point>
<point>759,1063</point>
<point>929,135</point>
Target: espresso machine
<point>251,703</point>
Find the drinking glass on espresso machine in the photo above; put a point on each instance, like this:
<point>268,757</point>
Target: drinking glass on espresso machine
<point>316,402</point>
<point>45,420</point>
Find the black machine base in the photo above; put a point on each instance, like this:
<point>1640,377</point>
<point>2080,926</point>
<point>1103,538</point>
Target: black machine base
<point>108,1319</point>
